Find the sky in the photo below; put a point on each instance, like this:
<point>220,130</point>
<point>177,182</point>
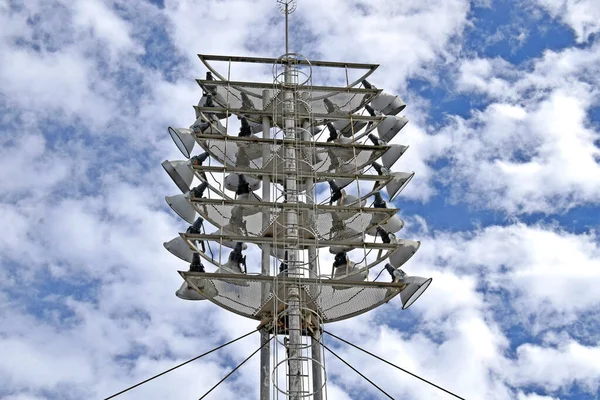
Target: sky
<point>504,135</point>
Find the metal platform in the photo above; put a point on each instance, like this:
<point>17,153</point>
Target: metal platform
<point>319,222</point>
<point>248,152</point>
<point>249,96</point>
<point>205,58</point>
<point>333,300</point>
<point>323,176</point>
<point>316,118</point>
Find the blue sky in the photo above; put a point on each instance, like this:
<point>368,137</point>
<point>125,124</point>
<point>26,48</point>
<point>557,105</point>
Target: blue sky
<point>504,138</point>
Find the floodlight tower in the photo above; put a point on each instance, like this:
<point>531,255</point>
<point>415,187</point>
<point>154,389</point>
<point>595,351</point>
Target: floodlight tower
<point>312,136</point>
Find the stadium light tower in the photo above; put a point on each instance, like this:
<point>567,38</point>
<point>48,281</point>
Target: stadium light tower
<point>313,137</point>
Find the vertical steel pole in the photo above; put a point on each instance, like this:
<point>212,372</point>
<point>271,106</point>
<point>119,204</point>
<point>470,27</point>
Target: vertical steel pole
<point>293,294</point>
<point>317,376</point>
<point>317,364</point>
<point>265,352</point>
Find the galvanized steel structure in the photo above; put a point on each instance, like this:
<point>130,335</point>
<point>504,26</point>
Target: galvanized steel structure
<point>312,137</point>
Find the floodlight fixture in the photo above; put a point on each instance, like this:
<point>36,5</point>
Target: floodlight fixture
<point>388,104</point>
<point>199,159</point>
<point>392,225</point>
<point>330,106</point>
<point>345,270</point>
<point>390,126</point>
<point>381,170</point>
<point>368,85</point>
<point>245,129</point>
<point>186,292</point>
<point>209,101</point>
<point>386,237</point>
<point>179,248</point>
<point>385,103</point>
<point>377,141</point>
<point>415,285</point>
<point>396,273</point>
<point>404,252</point>
<point>398,183</point>
<point>340,260</point>
<point>237,260</point>
<point>204,126</point>
<point>182,207</point>
<point>183,140</point>
<point>348,128</point>
<point>196,265</point>
<point>255,127</point>
<point>196,227</point>
<point>415,288</point>
<point>198,191</point>
<point>233,182</point>
<point>180,172</point>
<point>333,133</point>
<point>392,155</point>
<point>378,202</point>
<point>336,192</point>
<point>370,110</point>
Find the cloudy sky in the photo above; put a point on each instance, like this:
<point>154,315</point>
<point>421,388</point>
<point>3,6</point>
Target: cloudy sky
<point>504,138</point>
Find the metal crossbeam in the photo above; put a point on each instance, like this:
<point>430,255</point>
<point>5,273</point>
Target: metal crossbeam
<point>271,61</point>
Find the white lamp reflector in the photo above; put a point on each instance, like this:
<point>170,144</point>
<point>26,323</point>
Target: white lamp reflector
<point>183,140</point>
<point>187,293</point>
<point>179,248</point>
<point>390,126</point>
<point>392,155</point>
<point>214,127</point>
<point>348,199</point>
<point>388,104</point>
<point>406,250</point>
<point>392,225</point>
<point>347,269</point>
<point>230,267</point>
<point>233,180</point>
<point>414,290</point>
<point>398,183</point>
<point>346,128</point>
<point>182,207</point>
<point>181,173</point>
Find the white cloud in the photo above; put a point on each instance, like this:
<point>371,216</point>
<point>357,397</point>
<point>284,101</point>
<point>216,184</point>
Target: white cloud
<point>533,148</point>
<point>581,15</point>
<point>559,367</point>
<point>104,24</point>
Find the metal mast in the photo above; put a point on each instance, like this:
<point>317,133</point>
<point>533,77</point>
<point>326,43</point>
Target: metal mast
<point>313,137</point>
